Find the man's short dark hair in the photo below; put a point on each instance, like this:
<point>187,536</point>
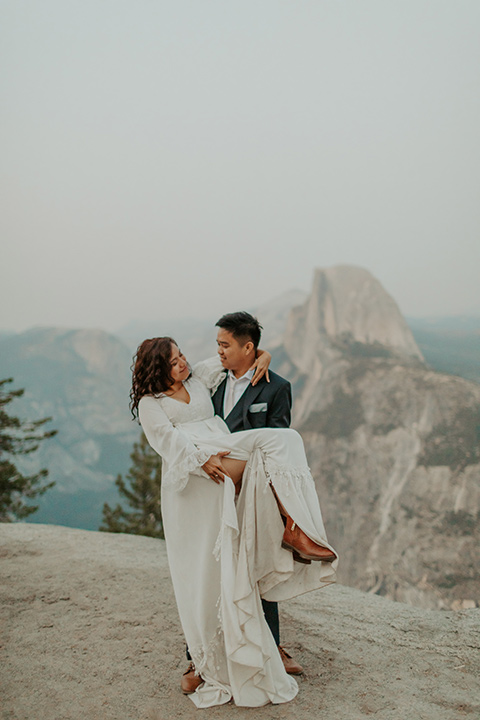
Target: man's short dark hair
<point>243,326</point>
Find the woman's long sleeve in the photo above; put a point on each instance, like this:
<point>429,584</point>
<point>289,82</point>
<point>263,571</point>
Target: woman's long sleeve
<point>211,372</point>
<point>180,455</point>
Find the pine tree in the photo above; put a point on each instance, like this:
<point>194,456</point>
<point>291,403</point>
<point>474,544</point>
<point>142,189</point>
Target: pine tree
<point>18,437</point>
<point>143,495</point>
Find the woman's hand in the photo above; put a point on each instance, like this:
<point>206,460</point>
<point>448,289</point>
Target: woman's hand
<point>261,366</point>
<point>214,468</point>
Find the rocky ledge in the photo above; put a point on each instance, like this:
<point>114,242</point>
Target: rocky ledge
<point>91,631</point>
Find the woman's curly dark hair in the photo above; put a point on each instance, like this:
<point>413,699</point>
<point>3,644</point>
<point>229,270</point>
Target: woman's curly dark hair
<point>151,370</point>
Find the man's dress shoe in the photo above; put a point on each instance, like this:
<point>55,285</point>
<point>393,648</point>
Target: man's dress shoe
<point>190,681</point>
<point>292,667</point>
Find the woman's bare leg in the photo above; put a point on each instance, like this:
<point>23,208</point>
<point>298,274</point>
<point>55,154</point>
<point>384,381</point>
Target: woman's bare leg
<point>234,469</point>
<point>283,512</point>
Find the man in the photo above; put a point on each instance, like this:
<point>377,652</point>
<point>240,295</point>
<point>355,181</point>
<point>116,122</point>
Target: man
<point>244,406</point>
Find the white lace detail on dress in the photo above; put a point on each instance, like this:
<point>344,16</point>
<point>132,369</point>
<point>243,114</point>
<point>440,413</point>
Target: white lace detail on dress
<point>218,543</point>
<point>292,479</point>
<point>211,655</point>
<point>176,477</point>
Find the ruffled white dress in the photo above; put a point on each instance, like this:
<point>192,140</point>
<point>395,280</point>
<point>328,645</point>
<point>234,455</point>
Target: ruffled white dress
<point>225,554</point>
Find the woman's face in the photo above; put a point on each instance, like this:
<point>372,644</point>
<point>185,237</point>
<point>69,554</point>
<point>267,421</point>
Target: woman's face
<point>179,369</point>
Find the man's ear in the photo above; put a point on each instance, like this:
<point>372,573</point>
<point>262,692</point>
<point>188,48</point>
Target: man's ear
<point>249,347</point>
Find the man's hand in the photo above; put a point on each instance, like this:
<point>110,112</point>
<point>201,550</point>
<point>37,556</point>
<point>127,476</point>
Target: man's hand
<point>214,468</point>
<point>261,366</point>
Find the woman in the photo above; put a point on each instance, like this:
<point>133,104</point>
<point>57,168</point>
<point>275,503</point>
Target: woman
<point>224,555</point>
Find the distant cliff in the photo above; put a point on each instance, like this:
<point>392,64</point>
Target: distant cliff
<point>394,446</point>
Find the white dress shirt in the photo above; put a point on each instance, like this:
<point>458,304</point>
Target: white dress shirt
<point>234,390</point>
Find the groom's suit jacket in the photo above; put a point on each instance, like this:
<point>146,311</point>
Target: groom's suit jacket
<point>266,404</point>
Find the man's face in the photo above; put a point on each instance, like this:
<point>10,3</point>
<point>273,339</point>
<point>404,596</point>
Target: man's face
<point>231,353</point>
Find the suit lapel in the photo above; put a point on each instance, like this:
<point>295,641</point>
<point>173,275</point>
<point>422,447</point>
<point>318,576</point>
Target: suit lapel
<point>235,415</point>
<point>247,399</point>
<point>240,410</point>
<point>238,415</point>
<point>218,397</point>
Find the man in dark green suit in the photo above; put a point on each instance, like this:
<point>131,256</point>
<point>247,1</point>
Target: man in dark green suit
<point>244,406</point>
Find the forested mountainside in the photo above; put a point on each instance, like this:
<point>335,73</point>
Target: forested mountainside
<point>80,378</point>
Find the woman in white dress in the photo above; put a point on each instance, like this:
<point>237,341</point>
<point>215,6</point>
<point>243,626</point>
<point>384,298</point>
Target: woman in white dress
<point>225,549</point>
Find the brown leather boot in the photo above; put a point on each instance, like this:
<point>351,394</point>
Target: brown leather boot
<point>292,667</point>
<point>294,539</point>
<point>190,681</point>
<point>300,559</point>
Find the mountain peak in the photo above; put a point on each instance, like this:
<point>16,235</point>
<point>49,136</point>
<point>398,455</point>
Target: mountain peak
<point>347,303</point>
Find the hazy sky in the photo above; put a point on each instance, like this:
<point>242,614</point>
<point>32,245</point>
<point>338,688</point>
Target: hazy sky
<point>172,157</point>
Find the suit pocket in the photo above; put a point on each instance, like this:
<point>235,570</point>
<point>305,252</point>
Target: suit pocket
<point>258,408</point>
<point>257,420</point>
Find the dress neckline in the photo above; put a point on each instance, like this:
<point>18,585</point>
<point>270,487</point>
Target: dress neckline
<point>182,402</point>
